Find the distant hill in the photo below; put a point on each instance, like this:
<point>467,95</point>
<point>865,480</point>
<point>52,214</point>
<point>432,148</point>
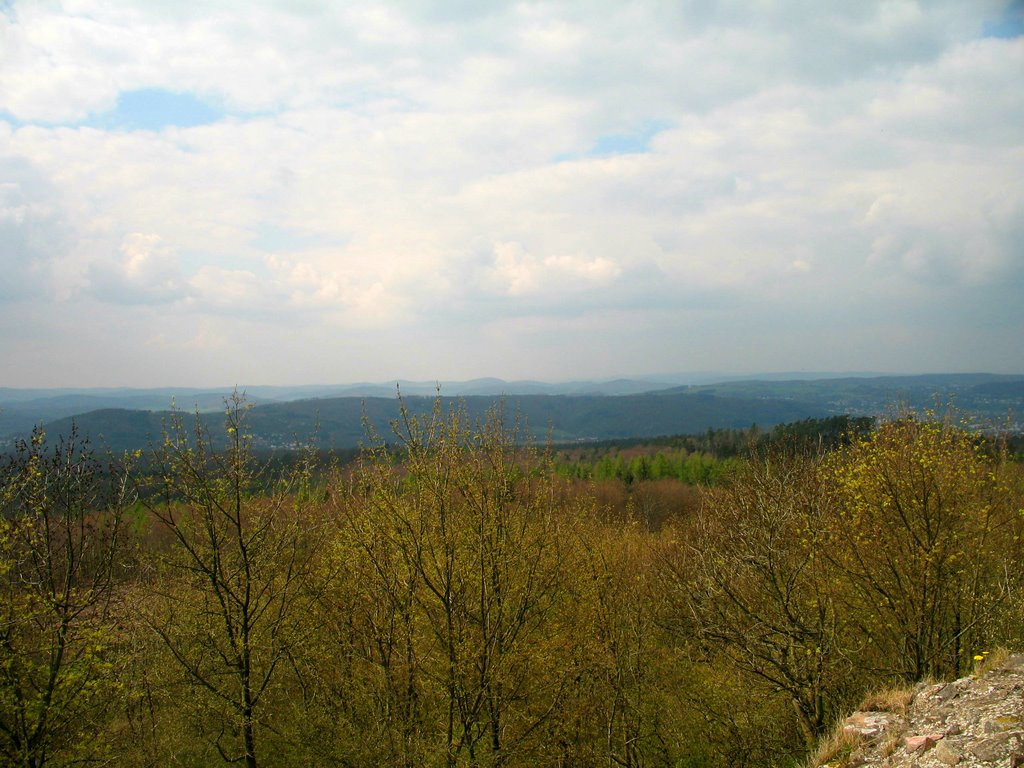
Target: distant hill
<point>339,422</point>
<point>581,410</point>
<point>988,397</point>
<point>22,409</point>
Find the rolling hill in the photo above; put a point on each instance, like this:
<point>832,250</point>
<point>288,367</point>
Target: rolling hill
<point>340,422</point>
<point>282,417</point>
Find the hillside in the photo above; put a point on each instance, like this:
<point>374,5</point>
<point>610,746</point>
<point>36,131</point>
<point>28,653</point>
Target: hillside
<point>570,411</point>
<point>341,422</point>
<point>990,397</point>
<point>22,409</point>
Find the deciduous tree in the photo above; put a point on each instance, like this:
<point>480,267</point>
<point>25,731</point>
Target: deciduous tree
<point>751,584</point>
<point>231,594</point>
<point>925,541</point>
<point>61,536</point>
<point>465,549</point>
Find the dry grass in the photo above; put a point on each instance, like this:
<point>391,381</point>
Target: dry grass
<point>841,748</point>
<point>837,750</point>
<point>896,699</point>
<point>893,740</point>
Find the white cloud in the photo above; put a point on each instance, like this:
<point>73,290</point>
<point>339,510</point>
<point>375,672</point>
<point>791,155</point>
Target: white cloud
<point>231,290</point>
<point>208,337</point>
<point>415,157</point>
<point>145,271</point>
<point>518,273</point>
<point>34,231</point>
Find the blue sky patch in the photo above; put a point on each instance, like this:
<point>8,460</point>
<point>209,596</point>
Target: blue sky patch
<point>614,144</point>
<point>1009,25</point>
<point>152,109</point>
<point>10,119</point>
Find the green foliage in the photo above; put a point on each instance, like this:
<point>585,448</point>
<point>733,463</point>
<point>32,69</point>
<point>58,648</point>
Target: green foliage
<point>61,548</point>
<point>819,576</point>
<point>707,458</point>
<point>819,435</point>
<point>458,598</point>
<point>461,557</point>
<point>927,542</point>
<point>228,594</point>
<point>689,468</point>
<point>754,588</point>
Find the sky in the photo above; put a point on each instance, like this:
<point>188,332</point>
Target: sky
<point>299,192</point>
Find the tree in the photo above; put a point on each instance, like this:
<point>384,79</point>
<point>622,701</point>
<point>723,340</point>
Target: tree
<point>463,548</point>
<point>750,585</point>
<point>230,592</point>
<point>61,546</point>
<point>630,676</point>
<point>926,540</point>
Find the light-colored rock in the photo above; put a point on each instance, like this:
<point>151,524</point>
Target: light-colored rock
<point>922,743</point>
<point>870,725</point>
<point>991,749</point>
<point>974,722</point>
<point>946,754</point>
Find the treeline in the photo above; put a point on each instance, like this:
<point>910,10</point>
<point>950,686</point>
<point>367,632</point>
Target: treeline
<point>458,602</point>
<point>705,458</point>
<point>637,465</point>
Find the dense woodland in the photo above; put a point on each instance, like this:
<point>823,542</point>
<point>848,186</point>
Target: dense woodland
<point>454,598</point>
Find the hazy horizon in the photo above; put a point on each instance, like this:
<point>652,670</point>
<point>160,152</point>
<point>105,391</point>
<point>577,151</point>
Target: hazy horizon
<point>292,193</point>
<point>695,378</point>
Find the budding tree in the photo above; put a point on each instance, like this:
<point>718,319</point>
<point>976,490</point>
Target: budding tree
<point>61,535</point>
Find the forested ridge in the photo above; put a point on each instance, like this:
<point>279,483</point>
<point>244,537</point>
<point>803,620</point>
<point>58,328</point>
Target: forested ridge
<point>459,596</point>
<point>340,423</point>
<point>574,411</point>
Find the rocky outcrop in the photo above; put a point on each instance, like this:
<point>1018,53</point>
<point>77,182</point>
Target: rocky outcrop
<point>975,721</point>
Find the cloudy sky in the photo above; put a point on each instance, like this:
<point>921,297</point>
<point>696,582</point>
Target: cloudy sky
<point>311,192</point>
